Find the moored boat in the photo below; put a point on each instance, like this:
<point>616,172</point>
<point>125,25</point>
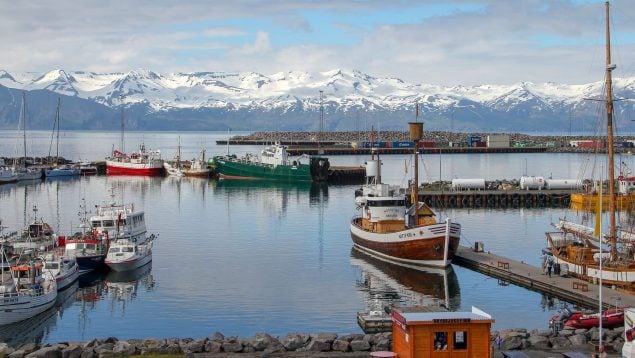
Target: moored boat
<point>198,167</point>
<point>394,226</point>
<point>588,253</point>
<point>126,254</point>
<point>59,170</point>
<point>25,291</point>
<point>64,270</point>
<point>272,164</point>
<point>8,175</point>
<point>62,170</point>
<point>142,162</point>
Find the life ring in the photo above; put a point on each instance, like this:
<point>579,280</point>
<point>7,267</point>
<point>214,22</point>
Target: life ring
<point>452,201</point>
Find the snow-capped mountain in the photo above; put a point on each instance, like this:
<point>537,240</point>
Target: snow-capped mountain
<point>291,101</point>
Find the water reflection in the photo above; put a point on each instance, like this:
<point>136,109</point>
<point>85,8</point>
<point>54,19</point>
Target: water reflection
<point>36,328</point>
<point>123,286</point>
<point>386,283</point>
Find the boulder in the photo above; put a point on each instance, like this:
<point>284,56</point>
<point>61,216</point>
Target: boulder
<point>46,352</point>
<point>539,342</point>
<point>18,354</point>
<point>217,336</point>
<point>123,348</point>
<point>559,342</point>
<point>232,346</point>
<point>318,346</point>
<point>72,351</point>
<point>5,350</point>
<point>383,344</point>
<point>360,346</point>
<point>193,347</point>
<point>352,337</point>
<point>324,337</point>
<point>261,341</point>
<point>294,341</point>
<point>578,339</point>
<point>341,345</point>
<point>512,342</point>
<point>274,347</point>
<point>213,346</point>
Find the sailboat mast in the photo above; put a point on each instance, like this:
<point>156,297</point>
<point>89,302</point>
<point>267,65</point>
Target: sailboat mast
<point>57,121</point>
<point>24,124</point>
<point>609,131</point>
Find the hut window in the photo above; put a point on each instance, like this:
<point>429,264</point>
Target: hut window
<point>440,341</point>
<point>460,340</point>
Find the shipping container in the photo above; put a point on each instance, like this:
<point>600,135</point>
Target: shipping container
<point>373,144</point>
<point>597,144</point>
<point>498,141</point>
<point>426,144</point>
<point>480,144</point>
<point>406,144</point>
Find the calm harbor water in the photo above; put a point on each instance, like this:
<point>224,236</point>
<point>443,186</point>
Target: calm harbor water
<point>248,257</point>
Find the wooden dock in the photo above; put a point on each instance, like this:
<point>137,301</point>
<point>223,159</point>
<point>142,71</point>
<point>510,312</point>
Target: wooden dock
<point>570,289</point>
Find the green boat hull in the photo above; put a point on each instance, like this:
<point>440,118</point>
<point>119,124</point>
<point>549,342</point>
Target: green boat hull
<point>233,168</point>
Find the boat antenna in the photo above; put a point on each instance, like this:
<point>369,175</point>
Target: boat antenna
<point>609,130</point>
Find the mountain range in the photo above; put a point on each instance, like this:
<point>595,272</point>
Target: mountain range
<point>336,100</point>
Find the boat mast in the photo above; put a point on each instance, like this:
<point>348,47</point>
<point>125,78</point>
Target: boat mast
<point>121,148</point>
<point>609,130</point>
<point>57,121</point>
<point>24,124</point>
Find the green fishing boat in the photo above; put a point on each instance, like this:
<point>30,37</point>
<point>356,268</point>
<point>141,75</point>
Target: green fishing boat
<point>273,163</point>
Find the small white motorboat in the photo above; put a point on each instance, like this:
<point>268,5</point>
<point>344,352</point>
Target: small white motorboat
<point>127,254</point>
<point>64,270</point>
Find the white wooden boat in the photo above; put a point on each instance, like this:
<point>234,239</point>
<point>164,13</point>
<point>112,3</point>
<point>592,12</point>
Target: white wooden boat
<point>395,226</point>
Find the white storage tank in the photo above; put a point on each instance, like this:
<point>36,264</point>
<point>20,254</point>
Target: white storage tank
<point>564,183</point>
<point>468,184</point>
<point>531,182</point>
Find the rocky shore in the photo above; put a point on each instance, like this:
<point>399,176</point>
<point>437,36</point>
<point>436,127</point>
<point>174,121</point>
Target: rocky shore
<point>534,343</point>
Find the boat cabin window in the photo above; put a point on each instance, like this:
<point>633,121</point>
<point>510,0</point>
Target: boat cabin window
<point>109,223</point>
<point>90,246</point>
<point>35,230</point>
<point>95,223</point>
<point>51,266</point>
<point>113,250</point>
<point>386,203</point>
<point>440,341</point>
<point>460,340</point>
<point>126,249</point>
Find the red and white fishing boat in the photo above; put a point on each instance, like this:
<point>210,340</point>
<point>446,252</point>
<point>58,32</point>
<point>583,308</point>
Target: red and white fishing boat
<point>141,162</point>
<point>400,228</point>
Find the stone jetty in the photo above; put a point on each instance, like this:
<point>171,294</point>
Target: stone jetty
<point>535,343</point>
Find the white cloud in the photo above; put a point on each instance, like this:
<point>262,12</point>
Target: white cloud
<point>499,43</point>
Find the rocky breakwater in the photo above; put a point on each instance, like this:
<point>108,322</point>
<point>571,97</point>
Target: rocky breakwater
<point>217,345</point>
<point>567,339</point>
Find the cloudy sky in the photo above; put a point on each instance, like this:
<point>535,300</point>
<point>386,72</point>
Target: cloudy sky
<point>445,42</point>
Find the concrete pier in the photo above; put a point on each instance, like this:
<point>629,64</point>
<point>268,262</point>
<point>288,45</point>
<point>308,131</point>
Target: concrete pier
<point>522,274</point>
